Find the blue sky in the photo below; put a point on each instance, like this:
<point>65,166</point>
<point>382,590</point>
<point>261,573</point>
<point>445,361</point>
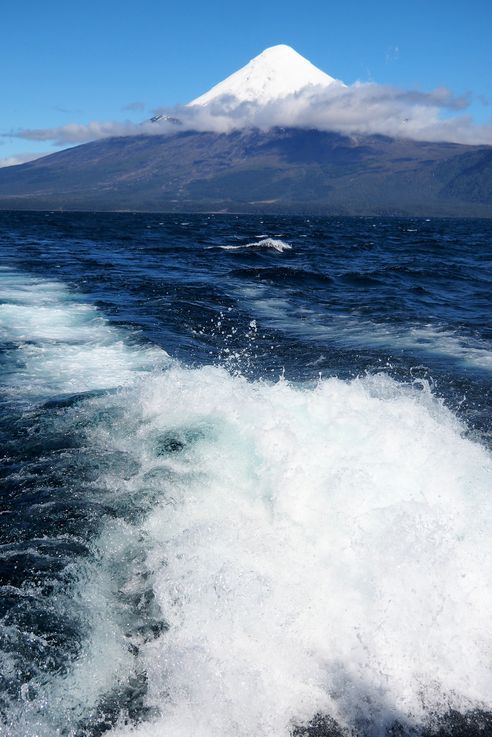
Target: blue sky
<point>70,62</point>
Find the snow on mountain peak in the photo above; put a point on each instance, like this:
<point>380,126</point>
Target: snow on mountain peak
<point>275,73</point>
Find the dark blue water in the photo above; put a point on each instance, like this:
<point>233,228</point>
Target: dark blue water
<point>246,475</point>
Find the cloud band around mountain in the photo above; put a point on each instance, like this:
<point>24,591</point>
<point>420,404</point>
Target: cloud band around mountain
<point>362,108</point>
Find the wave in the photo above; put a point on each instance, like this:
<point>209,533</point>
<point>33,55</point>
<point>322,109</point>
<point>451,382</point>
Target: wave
<point>271,551</point>
<point>275,275</point>
<point>354,331</point>
<point>269,243</point>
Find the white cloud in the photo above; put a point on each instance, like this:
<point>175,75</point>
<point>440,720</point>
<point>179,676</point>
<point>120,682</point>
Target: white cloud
<point>362,108</point>
<point>78,132</point>
<point>19,159</point>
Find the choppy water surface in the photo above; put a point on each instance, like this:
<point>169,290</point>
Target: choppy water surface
<point>246,476</point>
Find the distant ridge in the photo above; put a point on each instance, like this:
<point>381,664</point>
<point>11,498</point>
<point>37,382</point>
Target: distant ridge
<point>278,171</point>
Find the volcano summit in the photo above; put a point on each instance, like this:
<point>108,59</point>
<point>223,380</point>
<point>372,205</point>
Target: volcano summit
<point>274,74</point>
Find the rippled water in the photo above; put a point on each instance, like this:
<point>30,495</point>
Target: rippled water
<point>246,478</point>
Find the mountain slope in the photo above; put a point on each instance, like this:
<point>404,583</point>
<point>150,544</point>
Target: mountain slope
<point>282,170</point>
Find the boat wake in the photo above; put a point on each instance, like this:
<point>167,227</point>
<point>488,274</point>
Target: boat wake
<point>251,554</point>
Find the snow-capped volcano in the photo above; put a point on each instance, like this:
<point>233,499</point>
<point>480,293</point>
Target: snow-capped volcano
<point>275,73</point>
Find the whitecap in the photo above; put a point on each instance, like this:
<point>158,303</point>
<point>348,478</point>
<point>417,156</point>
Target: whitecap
<point>269,243</point>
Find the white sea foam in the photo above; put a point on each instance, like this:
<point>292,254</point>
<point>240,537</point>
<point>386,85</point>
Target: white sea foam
<point>273,243</point>
<point>317,549</point>
<point>314,549</point>
<point>60,344</point>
